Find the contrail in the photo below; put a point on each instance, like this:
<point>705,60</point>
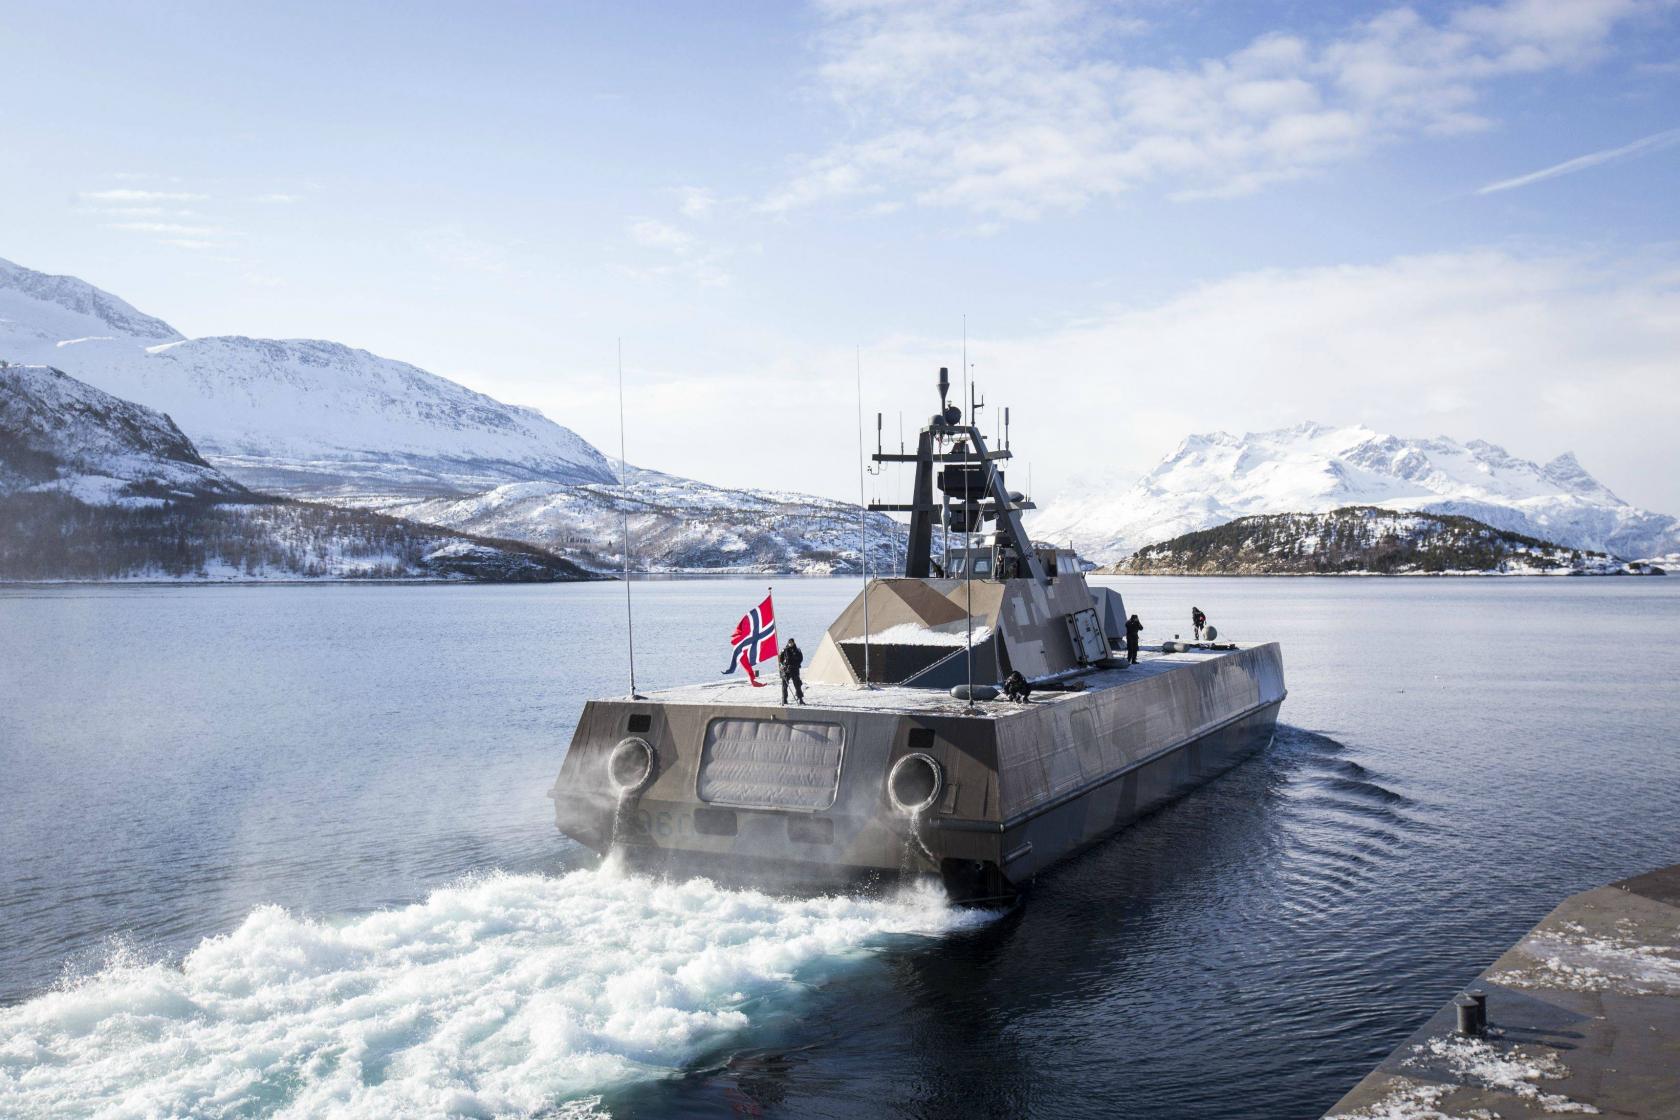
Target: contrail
<point>1591,159</point>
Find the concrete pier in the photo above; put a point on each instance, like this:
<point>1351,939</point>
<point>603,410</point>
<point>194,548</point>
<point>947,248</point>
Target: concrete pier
<point>1583,1018</point>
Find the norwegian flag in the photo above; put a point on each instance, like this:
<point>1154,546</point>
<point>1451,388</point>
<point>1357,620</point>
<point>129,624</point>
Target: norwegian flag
<point>754,640</point>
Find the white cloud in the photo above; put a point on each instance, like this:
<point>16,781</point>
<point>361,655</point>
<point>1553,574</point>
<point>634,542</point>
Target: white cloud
<point>137,211</point>
<point>651,233</point>
<point>695,202</point>
<point>125,194</point>
<point>684,254</point>
<point>454,247</point>
<point>172,229</point>
<point>1417,345</point>
<point>277,197</point>
<point>1540,354</point>
<point>1010,110</point>
<point>1639,147</point>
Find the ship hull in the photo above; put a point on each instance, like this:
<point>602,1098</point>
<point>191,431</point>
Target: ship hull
<point>1105,807</point>
<point>752,791</point>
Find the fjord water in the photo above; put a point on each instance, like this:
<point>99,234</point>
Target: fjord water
<point>285,850</point>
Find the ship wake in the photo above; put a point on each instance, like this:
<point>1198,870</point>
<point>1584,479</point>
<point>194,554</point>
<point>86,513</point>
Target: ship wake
<point>504,995</point>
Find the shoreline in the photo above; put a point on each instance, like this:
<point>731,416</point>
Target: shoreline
<point>660,577</point>
<point>1384,575</point>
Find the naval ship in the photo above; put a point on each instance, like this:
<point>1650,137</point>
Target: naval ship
<point>905,760</point>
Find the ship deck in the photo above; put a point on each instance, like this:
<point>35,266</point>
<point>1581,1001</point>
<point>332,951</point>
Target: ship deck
<point>735,690</point>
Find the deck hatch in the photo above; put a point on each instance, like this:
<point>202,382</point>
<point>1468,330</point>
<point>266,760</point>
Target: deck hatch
<point>771,764</point>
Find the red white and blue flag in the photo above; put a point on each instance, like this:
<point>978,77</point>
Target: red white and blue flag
<point>754,640</point>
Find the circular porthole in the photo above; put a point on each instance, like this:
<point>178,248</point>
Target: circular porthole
<point>630,766</point>
<point>914,783</point>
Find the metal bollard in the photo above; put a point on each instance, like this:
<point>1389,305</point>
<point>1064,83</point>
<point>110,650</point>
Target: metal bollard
<point>1480,997</point>
<point>1467,1018</point>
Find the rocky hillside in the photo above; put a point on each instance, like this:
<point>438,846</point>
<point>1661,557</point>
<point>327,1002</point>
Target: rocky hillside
<point>1214,478</point>
<point>93,487</point>
<point>59,434</point>
<point>1359,540</point>
<point>676,524</point>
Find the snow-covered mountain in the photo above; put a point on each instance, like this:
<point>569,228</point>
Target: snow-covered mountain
<point>676,524</point>
<point>290,416</point>
<point>37,309</point>
<point>97,488</point>
<point>1311,468</point>
<point>321,421</point>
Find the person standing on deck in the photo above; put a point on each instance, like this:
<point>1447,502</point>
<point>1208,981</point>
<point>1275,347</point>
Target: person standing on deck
<point>1133,629</point>
<point>1198,620</point>
<point>790,659</point>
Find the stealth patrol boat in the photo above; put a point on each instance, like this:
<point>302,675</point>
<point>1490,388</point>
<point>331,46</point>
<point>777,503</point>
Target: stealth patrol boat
<point>904,761</point>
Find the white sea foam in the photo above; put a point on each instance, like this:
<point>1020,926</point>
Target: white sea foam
<point>501,996</point>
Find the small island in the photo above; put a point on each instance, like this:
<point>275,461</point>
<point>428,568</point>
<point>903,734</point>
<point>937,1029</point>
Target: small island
<point>1365,540</point>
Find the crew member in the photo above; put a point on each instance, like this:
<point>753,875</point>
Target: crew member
<point>789,660</point>
<point>1198,620</point>
<point>1133,629</point>
<point>1016,688</point>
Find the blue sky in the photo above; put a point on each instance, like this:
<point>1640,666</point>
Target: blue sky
<point>1179,217</point>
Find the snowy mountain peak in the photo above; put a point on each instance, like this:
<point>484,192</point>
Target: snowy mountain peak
<point>1567,472</point>
<point>53,308</point>
<point>1212,478</point>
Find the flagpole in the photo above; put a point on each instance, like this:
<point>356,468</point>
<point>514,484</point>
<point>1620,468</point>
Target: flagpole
<point>624,497</point>
<point>863,521</point>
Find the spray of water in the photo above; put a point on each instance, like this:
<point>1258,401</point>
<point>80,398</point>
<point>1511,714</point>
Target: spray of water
<point>507,995</point>
<point>915,858</point>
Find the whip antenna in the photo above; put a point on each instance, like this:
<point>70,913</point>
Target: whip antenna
<point>863,516</point>
<point>968,536</point>
<point>624,499</point>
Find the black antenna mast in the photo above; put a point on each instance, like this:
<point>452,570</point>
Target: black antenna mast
<point>624,498</point>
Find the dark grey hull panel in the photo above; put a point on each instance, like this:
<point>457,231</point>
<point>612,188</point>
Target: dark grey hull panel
<point>1031,845</point>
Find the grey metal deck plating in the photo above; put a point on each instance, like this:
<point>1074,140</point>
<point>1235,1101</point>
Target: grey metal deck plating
<point>736,692</point>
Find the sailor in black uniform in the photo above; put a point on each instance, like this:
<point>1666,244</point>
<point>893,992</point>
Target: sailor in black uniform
<point>1133,629</point>
<point>789,660</point>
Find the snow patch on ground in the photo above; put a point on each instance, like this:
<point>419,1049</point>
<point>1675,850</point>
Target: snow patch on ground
<point>1574,959</point>
<point>1405,1100</point>
<point>1479,1063</point>
<point>1475,1064</point>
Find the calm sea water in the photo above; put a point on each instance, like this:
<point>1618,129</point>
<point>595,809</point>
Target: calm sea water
<point>286,850</point>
